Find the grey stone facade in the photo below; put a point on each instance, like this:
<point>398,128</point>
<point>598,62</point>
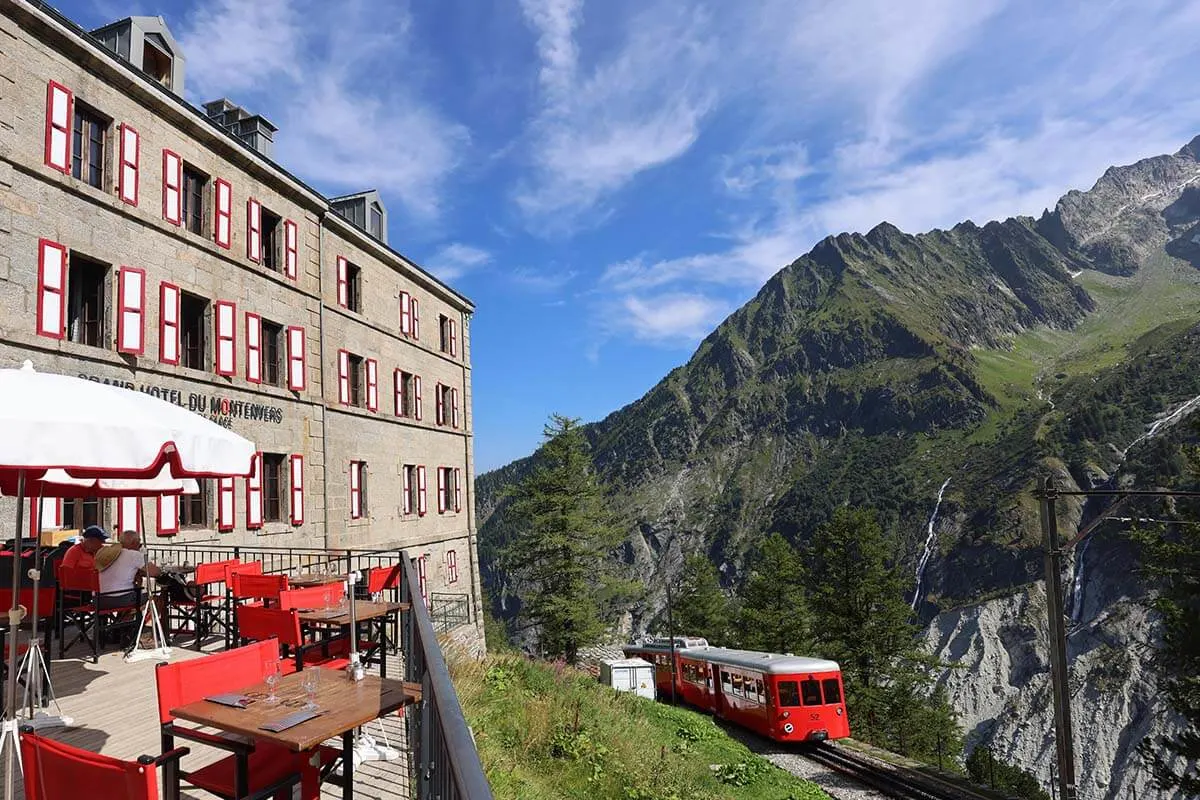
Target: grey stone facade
<point>41,202</point>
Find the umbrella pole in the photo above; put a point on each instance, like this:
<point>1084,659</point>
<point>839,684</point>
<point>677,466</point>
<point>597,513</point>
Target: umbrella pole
<point>8,736</point>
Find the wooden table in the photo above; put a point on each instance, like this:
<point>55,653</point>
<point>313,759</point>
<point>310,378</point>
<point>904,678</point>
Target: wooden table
<point>345,704</point>
<point>364,611</point>
<point>307,579</point>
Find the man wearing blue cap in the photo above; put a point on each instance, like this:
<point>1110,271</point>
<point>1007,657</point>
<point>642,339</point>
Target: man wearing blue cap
<point>83,552</point>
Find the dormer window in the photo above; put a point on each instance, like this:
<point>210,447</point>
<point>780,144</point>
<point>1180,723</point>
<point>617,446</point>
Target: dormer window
<point>376,225</point>
<point>156,62</point>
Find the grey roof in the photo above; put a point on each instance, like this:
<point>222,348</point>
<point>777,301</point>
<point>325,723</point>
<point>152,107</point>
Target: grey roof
<point>772,663</point>
<point>663,643</point>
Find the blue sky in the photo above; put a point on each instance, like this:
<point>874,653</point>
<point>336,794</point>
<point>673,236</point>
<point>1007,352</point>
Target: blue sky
<point>609,180</point>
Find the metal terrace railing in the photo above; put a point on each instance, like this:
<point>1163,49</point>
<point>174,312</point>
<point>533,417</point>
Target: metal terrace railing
<point>449,610</point>
<point>443,760</point>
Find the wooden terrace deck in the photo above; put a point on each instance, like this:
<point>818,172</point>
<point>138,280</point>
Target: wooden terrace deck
<point>115,712</point>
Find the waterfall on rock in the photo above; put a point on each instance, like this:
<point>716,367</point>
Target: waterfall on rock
<point>930,540</point>
<point>1077,588</point>
<point>1165,422</point>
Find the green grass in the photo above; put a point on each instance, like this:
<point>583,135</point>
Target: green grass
<point>1165,290</point>
<point>546,732</point>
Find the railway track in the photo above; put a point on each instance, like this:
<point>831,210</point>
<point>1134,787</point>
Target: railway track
<point>890,781</point>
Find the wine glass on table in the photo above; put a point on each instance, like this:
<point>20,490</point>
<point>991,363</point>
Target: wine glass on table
<point>274,673</point>
<point>311,682</point>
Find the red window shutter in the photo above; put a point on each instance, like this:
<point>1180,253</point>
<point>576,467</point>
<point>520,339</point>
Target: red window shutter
<point>409,489</point>
<point>130,160</point>
<point>372,385</point>
<point>128,514</point>
<point>457,489</point>
<point>454,407</point>
<point>343,282</point>
<point>405,314</point>
<point>254,230</point>
<point>168,514</point>
<point>223,213</point>
<point>254,495</point>
<point>297,380</point>
<point>226,324</point>
<point>60,107</point>
<point>416,318</point>
<point>46,516</point>
<point>172,187</point>
<point>417,396</point>
<point>441,480</point>
<point>452,566</point>
<point>355,492</point>
<point>453,338</point>
<point>253,348</point>
<point>398,389</point>
<point>344,377</point>
<point>422,580</point>
<point>421,504</point>
<point>297,481</point>
<point>290,249</point>
<point>439,404</point>
<point>168,323</point>
<point>225,504</point>
<point>131,305</point>
<point>51,289</point>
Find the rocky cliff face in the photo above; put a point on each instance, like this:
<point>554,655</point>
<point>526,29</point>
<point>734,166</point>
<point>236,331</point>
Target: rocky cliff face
<point>875,367</point>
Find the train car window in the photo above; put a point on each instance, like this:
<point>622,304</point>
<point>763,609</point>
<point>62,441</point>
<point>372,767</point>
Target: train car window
<point>738,686</point>
<point>758,690</point>
<point>833,692</point>
<point>811,690</point>
<point>725,685</point>
<point>789,694</point>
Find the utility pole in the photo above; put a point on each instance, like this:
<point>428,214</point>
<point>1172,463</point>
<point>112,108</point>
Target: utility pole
<point>1058,644</point>
<point>671,636</point>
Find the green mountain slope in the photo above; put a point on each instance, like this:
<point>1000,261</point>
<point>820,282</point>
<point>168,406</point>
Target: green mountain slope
<point>876,366</point>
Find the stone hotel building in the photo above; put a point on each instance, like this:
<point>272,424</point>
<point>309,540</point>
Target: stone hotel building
<point>150,244</point>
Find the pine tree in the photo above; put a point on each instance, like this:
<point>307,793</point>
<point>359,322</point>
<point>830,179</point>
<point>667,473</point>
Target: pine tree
<point>862,622</point>
<point>560,550</point>
<point>1171,557</point>
<point>774,614</point>
<point>699,607</point>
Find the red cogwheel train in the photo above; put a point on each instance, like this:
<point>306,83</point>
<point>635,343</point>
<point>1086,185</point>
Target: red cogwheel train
<point>783,697</point>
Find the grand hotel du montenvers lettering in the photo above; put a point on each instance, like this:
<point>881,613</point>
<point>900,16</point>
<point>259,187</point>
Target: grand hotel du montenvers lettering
<point>221,410</point>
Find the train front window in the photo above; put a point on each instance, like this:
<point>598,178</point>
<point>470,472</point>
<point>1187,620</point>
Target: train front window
<point>811,689</point>
<point>789,694</point>
<point>833,692</point>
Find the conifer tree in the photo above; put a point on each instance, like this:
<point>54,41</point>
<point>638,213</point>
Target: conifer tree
<point>1171,558</point>
<point>563,538</point>
<point>774,614</point>
<point>699,607</point>
<point>863,623</point>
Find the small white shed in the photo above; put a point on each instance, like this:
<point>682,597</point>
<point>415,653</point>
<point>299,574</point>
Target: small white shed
<point>629,675</point>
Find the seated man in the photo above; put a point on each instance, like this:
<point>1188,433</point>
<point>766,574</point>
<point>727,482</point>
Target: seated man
<point>121,572</point>
<point>83,552</point>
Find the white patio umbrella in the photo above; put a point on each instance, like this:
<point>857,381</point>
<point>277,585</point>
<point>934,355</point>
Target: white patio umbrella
<point>60,483</point>
<point>94,430</point>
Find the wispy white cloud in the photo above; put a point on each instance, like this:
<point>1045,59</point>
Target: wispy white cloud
<point>457,259</point>
<point>541,281</point>
<point>635,109</point>
<point>671,319</point>
<point>334,78</point>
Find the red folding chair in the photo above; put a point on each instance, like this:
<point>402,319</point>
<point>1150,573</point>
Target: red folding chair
<point>382,580</point>
<point>247,568</point>
<point>313,597</point>
<point>79,593</point>
<point>57,771</point>
<point>260,624</point>
<point>206,611</point>
<point>254,771</point>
